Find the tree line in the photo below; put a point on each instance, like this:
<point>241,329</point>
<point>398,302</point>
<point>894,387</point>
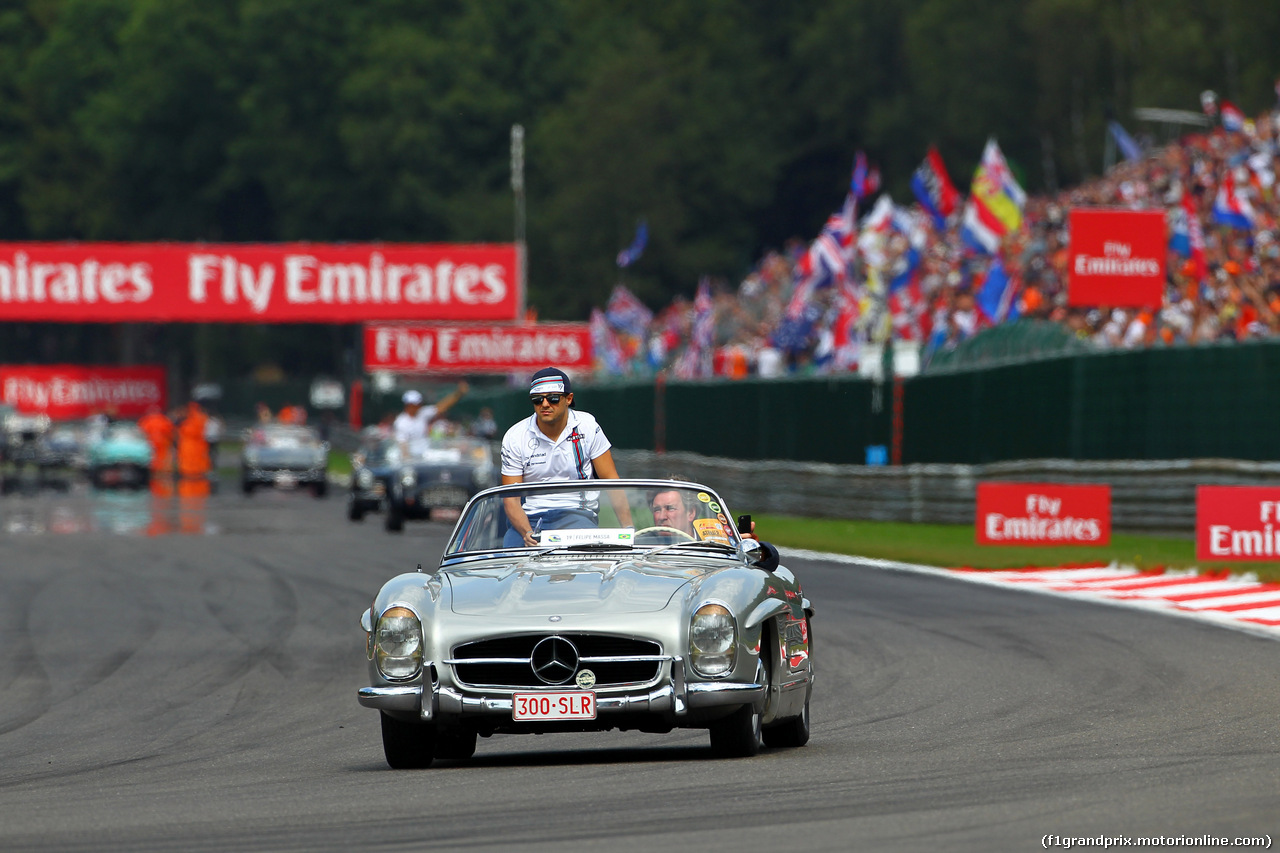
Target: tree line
<point>728,125</point>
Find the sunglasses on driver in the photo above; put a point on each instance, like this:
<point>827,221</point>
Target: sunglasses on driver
<point>553,399</point>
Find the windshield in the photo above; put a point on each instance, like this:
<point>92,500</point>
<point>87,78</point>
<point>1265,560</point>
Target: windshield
<point>448,451</point>
<point>285,437</point>
<point>609,514</point>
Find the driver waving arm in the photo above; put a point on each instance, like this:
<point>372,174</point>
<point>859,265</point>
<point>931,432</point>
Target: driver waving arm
<point>554,443</point>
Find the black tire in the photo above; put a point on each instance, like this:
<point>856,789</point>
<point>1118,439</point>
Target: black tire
<point>395,520</point>
<point>791,733</point>
<point>455,744</point>
<point>355,510</point>
<point>320,489</point>
<point>407,746</point>
<point>737,735</point>
<point>247,487</point>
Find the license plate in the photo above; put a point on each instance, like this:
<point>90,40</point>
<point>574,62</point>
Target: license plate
<point>286,480</point>
<point>570,705</point>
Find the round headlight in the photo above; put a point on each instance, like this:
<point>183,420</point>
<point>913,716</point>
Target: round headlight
<point>398,642</point>
<point>712,640</point>
<point>408,478</point>
<point>365,479</point>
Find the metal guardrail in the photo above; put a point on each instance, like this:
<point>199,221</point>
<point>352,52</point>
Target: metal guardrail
<point>1146,496</point>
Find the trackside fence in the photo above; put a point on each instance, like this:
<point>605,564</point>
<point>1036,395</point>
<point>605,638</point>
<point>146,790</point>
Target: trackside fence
<point>1157,496</point>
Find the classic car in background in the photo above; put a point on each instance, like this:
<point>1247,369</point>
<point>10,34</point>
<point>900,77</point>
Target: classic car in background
<point>371,467</point>
<point>640,607</point>
<point>64,446</point>
<point>19,437</point>
<point>436,477</point>
<point>285,456</point>
<point>119,455</point>
<point>62,454</point>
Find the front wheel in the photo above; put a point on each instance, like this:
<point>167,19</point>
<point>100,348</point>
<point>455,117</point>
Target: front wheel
<point>355,510</point>
<point>737,735</point>
<point>793,732</point>
<point>460,744</point>
<point>395,520</point>
<point>407,746</point>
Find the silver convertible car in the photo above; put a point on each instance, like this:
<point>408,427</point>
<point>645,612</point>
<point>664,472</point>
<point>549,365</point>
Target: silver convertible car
<point>639,607</point>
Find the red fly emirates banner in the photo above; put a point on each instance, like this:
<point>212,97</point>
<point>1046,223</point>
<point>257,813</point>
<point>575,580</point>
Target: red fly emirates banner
<point>476,349</point>
<point>256,283</point>
<point>1043,514</point>
<point>1117,258</point>
<point>68,391</point>
<point>1237,523</point>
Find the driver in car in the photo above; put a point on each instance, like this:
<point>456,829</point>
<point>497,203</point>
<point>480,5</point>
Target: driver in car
<point>671,509</point>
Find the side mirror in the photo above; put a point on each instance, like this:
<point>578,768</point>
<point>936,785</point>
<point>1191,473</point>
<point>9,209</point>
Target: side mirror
<point>766,557</point>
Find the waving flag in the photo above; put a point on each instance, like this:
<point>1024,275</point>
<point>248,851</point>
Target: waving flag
<point>1232,208</point>
<point>1128,146</point>
<point>605,343</point>
<point>627,313</point>
<point>1232,118</point>
<point>846,340</point>
<point>866,179</point>
<point>632,253</point>
<point>995,202</point>
<point>995,297</point>
<point>1195,238</point>
<point>1179,231</point>
<point>905,270</point>
<point>909,313</point>
<point>932,186</point>
<point>696,359</point>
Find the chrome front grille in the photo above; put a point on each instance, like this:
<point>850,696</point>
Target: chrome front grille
<point>506,661</point>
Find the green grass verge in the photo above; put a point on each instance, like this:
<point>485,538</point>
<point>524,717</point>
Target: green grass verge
<point>953,545</point>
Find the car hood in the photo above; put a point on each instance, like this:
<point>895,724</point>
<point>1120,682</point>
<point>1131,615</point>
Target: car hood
<point>538,588</point>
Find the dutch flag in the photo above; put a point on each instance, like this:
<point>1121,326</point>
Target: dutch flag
<point>1232,208</point>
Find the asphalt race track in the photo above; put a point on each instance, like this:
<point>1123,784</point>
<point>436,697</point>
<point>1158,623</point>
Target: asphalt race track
<point>194,689</point>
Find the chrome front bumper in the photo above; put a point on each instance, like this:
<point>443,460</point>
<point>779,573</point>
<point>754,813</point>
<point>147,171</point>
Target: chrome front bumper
<point>672,699</point>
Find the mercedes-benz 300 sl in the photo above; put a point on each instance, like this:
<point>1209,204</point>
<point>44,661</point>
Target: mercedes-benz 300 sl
<point>638,606</point>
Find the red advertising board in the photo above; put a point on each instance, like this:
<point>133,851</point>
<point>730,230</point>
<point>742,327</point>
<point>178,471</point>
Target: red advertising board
<point>256,283</point>
<point>69,391</point>
<point>1043,514</point>
<point>476,348</point>
<point>1237,523</point>
<point>1117,258</point>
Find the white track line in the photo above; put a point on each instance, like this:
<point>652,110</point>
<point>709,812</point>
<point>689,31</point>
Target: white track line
<point>1092,587</point>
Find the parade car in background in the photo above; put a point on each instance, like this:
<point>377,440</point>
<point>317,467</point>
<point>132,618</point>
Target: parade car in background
<point>435,477</point>
<point>627,620</point>
<point>286,456</point>
<point>62,453</point>
<point>22,432</point>
<point>119,455</point>
<point>65,445</point>
<point>371,468</point>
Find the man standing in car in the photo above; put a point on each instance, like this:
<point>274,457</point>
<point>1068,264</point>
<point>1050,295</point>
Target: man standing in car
<point>412,424</point>
<point>556,442</point>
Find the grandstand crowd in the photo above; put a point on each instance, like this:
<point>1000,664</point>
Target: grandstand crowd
<point>1223,287</point>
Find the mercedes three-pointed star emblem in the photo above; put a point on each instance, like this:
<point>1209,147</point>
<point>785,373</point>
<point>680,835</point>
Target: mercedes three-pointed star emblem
<point>554,660</point>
